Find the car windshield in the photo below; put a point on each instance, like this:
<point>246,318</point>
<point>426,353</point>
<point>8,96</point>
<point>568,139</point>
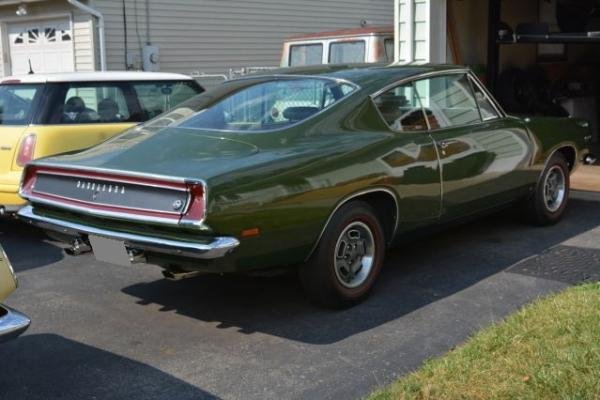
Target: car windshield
<point>15,103</point>
<point>270,105</point>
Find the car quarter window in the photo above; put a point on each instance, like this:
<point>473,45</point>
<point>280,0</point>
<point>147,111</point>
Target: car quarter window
<point>448,101</point>
<point>401,109</point>
<point>157,97</point>
<point>487,109</point>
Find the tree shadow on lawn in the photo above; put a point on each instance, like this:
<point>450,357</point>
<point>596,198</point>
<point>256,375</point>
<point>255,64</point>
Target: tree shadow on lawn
<point>45,366</point>
<point>416,274</point>
<point>15,236</point>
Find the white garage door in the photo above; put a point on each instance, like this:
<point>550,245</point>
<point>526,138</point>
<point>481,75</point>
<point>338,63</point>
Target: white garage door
<point>47,44</point>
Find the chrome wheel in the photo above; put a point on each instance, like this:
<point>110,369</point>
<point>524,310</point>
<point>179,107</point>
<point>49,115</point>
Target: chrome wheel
<point>554,188</point>
<point>354,254</point>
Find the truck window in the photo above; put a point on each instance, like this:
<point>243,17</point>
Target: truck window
<point>347,52</point>
<point>306,54</point>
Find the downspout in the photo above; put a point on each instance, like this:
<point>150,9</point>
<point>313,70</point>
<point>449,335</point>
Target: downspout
<point>100,17</point>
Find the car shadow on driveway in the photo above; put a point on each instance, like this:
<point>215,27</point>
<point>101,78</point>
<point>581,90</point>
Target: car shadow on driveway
<point>27,247</point>
<point>416,274</point>
<point>46,366</point>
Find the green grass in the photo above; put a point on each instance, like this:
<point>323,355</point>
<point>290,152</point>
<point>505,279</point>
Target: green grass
<point>548,350</point>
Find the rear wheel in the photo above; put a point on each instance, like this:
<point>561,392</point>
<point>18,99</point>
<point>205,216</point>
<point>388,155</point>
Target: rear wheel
<point>347,260</point>
<point>548,203</point>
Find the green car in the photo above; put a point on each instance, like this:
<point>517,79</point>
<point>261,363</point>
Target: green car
<point>319,168</point>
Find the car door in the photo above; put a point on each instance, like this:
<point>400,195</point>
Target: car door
<point>411,156</point>
<point>484,156</point>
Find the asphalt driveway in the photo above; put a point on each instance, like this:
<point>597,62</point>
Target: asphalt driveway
<point>101,331</point>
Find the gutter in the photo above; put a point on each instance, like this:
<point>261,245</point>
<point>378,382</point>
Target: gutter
<point>100,17</point>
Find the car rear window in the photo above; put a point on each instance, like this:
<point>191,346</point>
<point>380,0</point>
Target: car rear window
<point>16,103</point>
<point>270,105</point>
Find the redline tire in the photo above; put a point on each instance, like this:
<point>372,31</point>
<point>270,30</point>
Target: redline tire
<point>348,259</point>
<point>549,201</point>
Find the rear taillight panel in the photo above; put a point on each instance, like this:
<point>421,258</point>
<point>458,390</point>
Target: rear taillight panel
<point>150,199</point>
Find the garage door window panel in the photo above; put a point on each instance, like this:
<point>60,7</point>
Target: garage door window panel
<point>401,109</point>
<point>448,101</point>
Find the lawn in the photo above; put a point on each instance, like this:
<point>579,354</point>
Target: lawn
<point>548,350</point>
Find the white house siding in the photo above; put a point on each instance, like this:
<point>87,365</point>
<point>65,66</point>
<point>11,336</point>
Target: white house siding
<point>214,35</point>
<point>82,26</point>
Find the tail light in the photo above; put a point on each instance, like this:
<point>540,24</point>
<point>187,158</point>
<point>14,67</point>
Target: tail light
<point>197,208</point>
<point>26,150</point>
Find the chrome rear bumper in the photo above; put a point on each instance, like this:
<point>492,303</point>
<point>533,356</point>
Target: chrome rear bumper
<point>218,247</point>
<point>12,323</point>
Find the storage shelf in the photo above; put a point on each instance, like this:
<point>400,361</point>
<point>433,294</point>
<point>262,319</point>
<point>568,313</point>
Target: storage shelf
<point>552,38</point>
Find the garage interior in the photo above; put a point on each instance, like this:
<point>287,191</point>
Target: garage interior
<point>538,57</point>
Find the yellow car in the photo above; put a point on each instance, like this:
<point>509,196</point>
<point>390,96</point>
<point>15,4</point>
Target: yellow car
<point>48,114</point>
<point>12,323</point>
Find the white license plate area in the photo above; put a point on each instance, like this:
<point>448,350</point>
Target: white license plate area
<point>109,250</point>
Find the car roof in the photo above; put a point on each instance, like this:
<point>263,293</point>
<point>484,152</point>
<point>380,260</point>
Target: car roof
<point>365,31</point>
<point>104,76</point>
<point>364,75</point>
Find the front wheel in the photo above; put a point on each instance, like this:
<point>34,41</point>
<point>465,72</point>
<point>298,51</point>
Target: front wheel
<point>347,260</point>
<point>548,203</point>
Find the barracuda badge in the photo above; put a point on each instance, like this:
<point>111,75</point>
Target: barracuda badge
<point>96,188</point>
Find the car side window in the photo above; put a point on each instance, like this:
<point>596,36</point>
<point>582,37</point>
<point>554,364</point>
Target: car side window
<point>89,104</point>
<point>448,101</point>
<point>401,109</point>
<point>487,109</point>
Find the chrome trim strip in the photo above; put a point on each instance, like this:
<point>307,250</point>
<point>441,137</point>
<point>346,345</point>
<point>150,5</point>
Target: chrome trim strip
<point>113,172</point>
<point>219,247</point>
<point>103,213</point>
<point>488,95</point>
<point>353,196</point>
<point>12,323</point>
<point>416,77</point>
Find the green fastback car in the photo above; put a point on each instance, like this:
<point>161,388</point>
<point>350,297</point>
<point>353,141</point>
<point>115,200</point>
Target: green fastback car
<point>321,168</point>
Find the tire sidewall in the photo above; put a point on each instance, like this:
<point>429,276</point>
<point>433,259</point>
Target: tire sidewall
<point>541,207</point>
<point>353,212</point>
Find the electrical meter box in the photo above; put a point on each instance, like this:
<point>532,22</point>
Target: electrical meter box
<point>150,58</point>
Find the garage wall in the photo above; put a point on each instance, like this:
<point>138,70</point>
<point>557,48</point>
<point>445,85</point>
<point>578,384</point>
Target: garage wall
<point>213,35</point>
<point>84,57</point>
